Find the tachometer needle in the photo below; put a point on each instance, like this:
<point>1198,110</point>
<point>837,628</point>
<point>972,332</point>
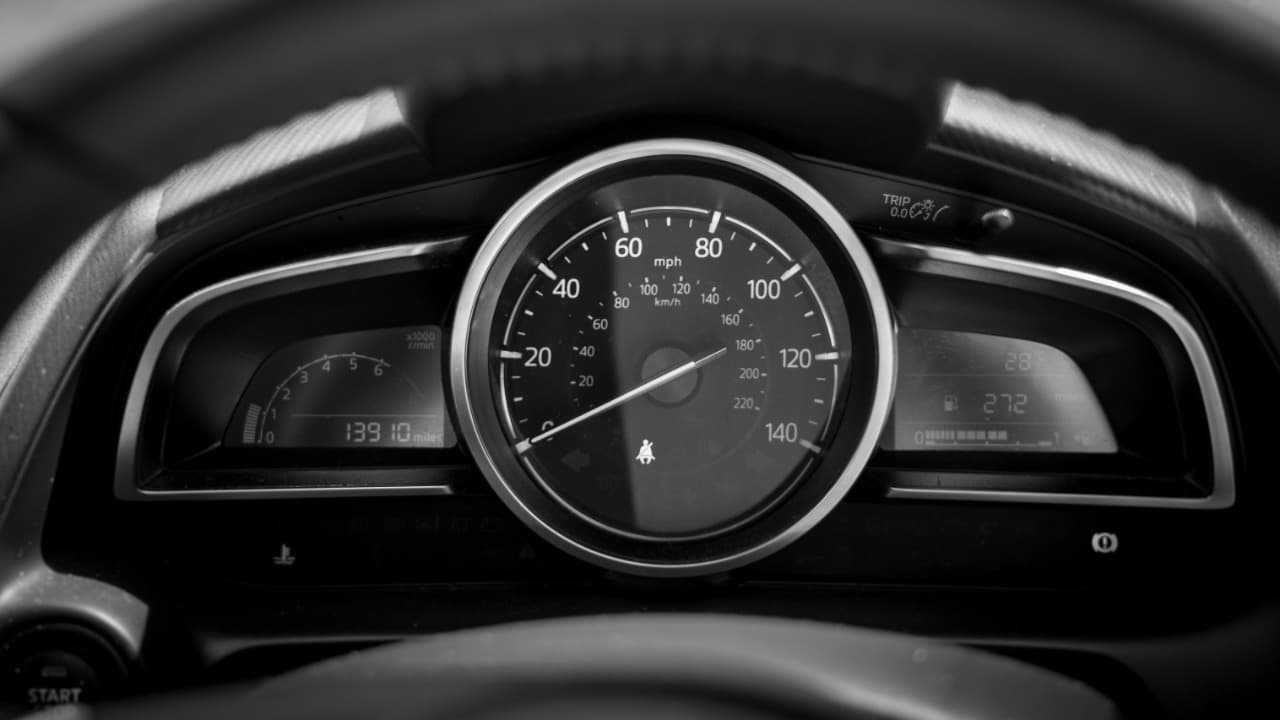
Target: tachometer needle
<point>643,388</point>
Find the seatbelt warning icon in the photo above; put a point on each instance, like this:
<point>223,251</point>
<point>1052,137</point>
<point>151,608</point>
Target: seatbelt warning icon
<point>645,456</point>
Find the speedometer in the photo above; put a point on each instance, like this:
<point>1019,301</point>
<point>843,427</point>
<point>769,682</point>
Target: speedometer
<point>672,357</point>
<point>704,341</point>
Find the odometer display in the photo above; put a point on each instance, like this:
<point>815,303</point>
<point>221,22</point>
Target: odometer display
<point>644,291</point>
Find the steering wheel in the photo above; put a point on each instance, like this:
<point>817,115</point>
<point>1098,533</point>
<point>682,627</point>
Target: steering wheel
<point>1195,82</point>
<point>674,666</point>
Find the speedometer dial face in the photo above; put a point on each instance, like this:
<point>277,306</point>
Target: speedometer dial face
<point>672,357</point>
<point>700,349</point>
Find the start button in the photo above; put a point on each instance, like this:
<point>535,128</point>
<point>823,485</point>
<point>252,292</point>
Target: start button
<point>56,678</point>
<point>51,665</point>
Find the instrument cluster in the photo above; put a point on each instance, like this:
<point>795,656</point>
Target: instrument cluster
<point>675,357</point>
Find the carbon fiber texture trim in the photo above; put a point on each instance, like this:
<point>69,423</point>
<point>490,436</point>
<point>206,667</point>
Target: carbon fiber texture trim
<point>39,343</point>
<point>986,126</point>
<point>225,175</point>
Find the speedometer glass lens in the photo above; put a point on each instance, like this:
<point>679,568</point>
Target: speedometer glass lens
<point>711,320</point>
<point>672,355</point>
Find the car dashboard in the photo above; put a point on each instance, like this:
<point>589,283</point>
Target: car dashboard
<point>974,392</point>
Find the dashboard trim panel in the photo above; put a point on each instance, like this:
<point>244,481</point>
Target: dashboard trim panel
<point>126,486</point>
<point>1223,493</point>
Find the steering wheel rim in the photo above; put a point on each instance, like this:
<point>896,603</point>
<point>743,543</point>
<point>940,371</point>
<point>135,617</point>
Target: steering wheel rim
<point>703,666</point>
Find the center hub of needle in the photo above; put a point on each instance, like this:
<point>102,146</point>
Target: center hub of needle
<point>676,391</point>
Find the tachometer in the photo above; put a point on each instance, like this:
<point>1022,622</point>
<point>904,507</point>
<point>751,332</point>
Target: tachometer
<point>672,356</point>
<point>371,388</point>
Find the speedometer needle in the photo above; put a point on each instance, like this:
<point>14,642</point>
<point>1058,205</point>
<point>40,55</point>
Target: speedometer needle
<point>647,386</point>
